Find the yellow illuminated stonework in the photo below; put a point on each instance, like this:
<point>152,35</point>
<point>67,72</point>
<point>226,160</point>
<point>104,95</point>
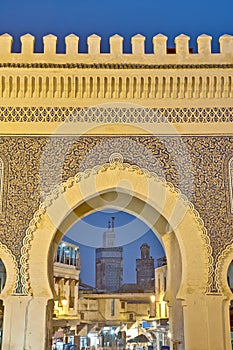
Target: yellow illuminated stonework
<point>150,134</point>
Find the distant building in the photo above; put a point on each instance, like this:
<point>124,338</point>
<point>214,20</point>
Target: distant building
<point>160,289</point>
<point>159,306</point>
<point>109,262</point>
<point>102,314</point>
<point>145,268</point>
<point>66,281</point>
<point>109,236</point>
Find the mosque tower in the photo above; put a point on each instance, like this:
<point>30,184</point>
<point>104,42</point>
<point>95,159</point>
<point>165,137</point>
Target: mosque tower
<point>145,268</point>
<point>109,237</point>
<point>109,262</point>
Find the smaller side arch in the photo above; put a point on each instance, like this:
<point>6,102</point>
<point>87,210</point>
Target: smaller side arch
<point>222,266</point>
<point>12,272</point>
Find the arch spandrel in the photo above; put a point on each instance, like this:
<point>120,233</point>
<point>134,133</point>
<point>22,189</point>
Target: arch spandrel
<point>140,184</point>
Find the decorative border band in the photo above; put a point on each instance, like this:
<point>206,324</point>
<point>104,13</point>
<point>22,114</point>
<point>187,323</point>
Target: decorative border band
<point>115,66</point>
<point>116,115</point>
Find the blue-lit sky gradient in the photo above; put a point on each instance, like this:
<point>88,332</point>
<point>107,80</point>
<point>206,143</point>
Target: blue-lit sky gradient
<point>125,17</point>
<point>130,232</point>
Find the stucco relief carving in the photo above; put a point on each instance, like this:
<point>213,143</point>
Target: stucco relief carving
<point>28,183</point>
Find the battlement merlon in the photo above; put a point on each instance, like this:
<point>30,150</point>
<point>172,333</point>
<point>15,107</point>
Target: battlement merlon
<point>182,53</point>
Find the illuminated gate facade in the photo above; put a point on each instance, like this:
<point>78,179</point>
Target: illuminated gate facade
<point>152,130</point>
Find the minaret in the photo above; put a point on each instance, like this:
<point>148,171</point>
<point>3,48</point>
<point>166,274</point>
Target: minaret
<point>109,237</point>
<point>109,262</point>
<point>145,269</point>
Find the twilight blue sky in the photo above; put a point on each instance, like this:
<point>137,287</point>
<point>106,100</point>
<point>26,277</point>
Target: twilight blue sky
<point>125,17</point>
<point>131,233</point>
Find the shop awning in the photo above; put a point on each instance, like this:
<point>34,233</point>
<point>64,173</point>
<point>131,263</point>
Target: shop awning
<point>59,334</point>
<point>141,338</point>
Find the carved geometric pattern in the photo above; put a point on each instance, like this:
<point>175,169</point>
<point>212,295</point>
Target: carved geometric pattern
<point>116,115</point>
<point>115,162</point>
<point>28,181</point>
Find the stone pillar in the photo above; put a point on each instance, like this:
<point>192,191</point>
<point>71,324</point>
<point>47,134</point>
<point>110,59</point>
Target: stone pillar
<point>25,323</point>
<point>218,322</point>
<point>174,279</point>
<point>227,326</point>
<point>36,335</point>
<point>197,320</point>
<point>14,324</point>
<point>205,322</point>
<point>176,324</point>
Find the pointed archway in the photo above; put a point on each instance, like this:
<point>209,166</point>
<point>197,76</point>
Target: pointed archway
<point>136,190</point>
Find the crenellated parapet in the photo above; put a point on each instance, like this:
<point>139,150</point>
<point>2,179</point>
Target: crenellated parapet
<point>87,78</point>
<point>182,53</point>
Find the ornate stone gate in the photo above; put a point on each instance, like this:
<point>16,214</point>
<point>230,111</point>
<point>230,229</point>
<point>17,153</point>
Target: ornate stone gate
<point>79,130</point>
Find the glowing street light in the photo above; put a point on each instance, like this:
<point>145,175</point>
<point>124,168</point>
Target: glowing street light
<point>64,301</point>
<point>152,298</point>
